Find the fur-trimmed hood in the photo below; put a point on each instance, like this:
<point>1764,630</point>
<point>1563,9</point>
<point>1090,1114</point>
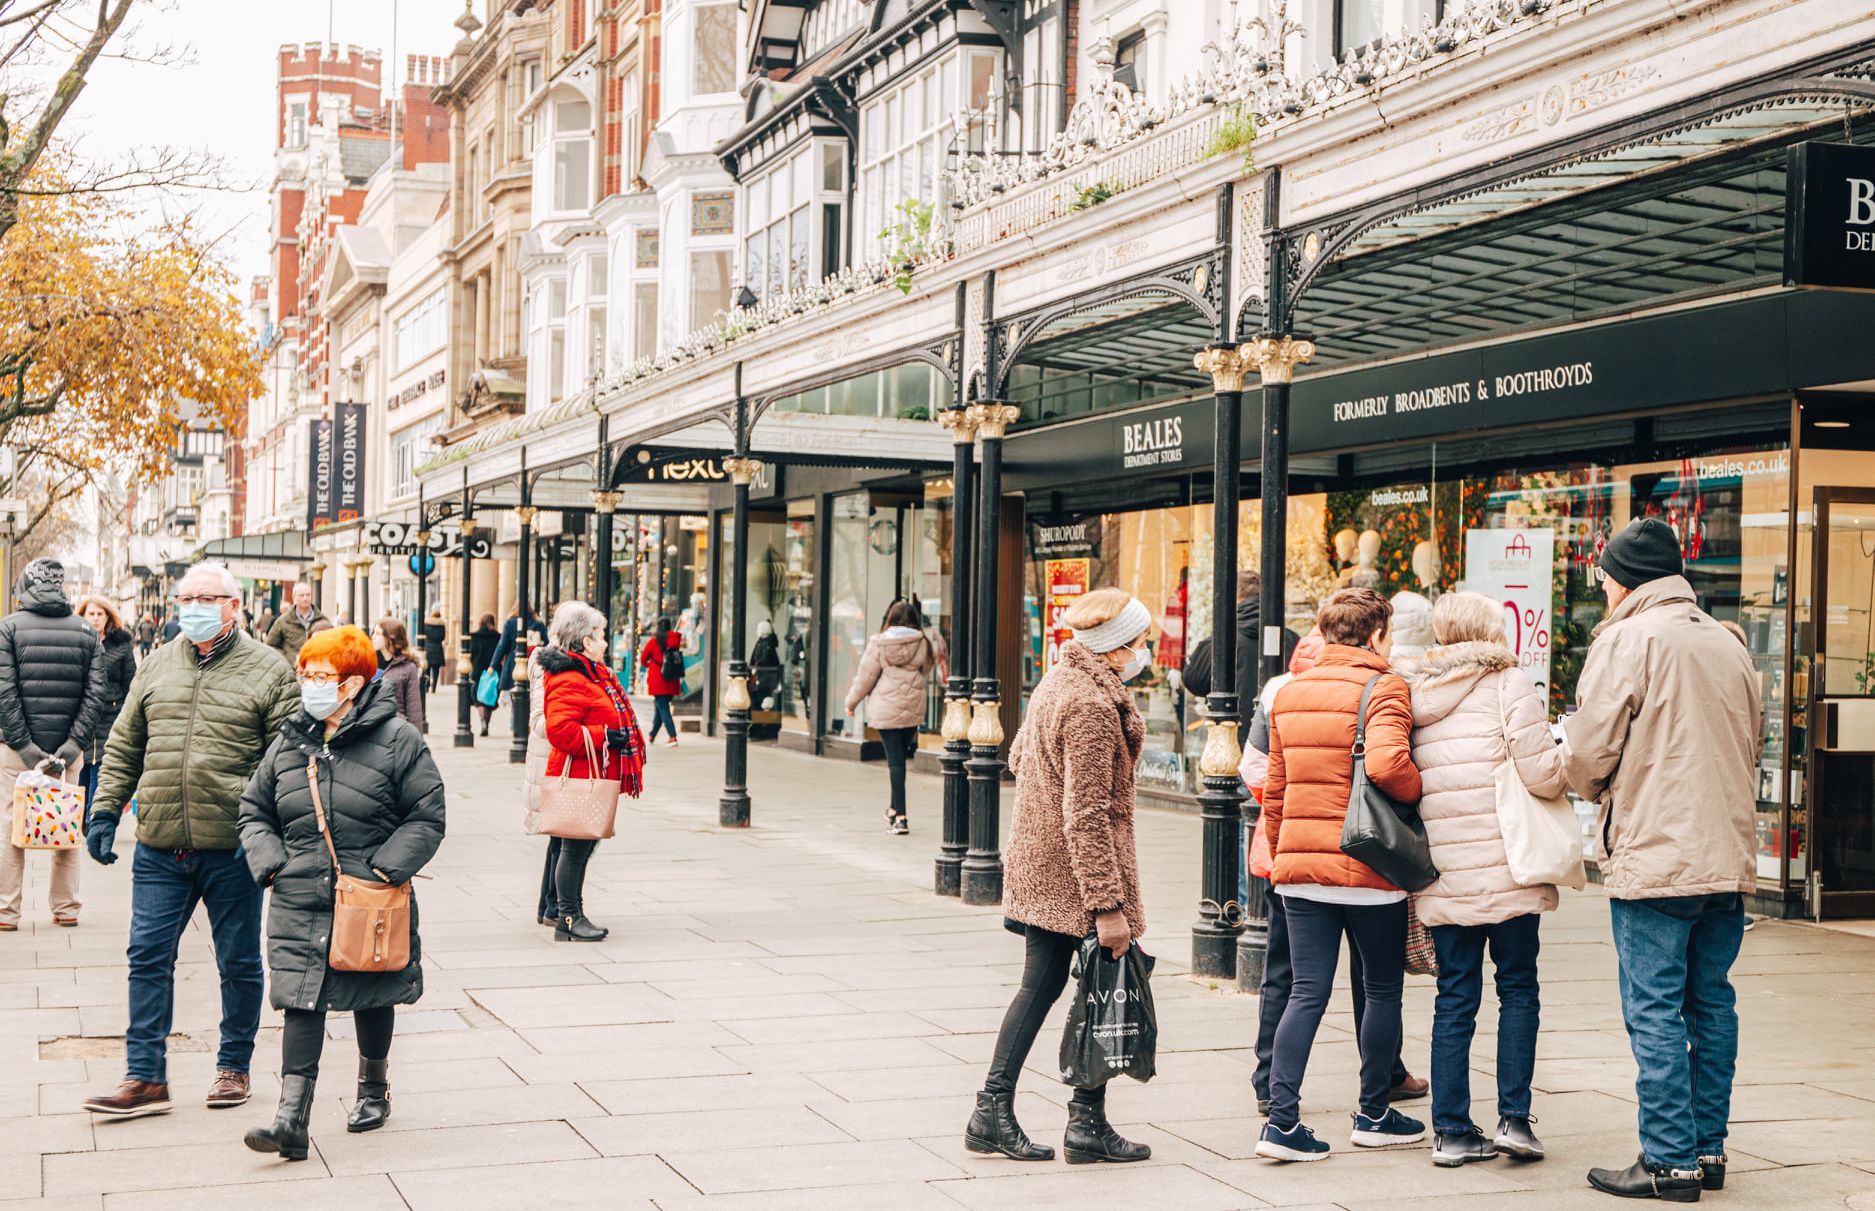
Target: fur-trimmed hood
<point>1442,678</point>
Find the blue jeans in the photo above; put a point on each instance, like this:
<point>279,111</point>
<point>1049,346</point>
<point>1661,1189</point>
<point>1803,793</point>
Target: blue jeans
<point>661,716</point>
<point>1676,957</point>
<point>1461,949</point>
<point>166,885</point>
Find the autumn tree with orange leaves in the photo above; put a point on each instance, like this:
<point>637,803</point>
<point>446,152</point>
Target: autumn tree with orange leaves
<point>112,334</point>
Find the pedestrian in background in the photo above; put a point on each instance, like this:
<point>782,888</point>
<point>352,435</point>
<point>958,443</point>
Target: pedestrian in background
<point>399,671</point>
<point>1071,866</point>
<point>146,636</point>
<point>435,632</point>
<point>51,696</point>
<point>520,624</point>
<point>891,679</point>
<point>1666,741</point>
<point>663,662</point>
<point>1473,709</point>
<point>1326,893</point>
<point>172,627</point>
<point>199,716</point>
<point>483,642</point>
<point>120,667</point>
<point>294,625</point>
<point>547,907</point>
<point>348,756</point>
<point>585,705</point>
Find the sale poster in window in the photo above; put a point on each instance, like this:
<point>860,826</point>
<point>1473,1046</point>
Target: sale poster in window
<point>1065,581</point>
<point>1515,567</point>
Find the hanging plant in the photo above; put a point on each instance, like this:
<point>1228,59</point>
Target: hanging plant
<point>908,240</point>
<point>1238,133</point>
<point>1092,195</point>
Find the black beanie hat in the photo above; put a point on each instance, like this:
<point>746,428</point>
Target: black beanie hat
<point>1647,550</point>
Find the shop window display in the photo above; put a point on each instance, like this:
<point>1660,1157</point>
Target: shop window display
<point>882,550</point>
<point>780,620</point>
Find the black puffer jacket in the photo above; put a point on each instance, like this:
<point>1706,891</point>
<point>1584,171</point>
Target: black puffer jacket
<point>120,668</point>
<point>51,668</point>
<point>384,803</point>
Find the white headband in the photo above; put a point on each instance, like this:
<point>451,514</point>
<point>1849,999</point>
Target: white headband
<point>1133,620</point>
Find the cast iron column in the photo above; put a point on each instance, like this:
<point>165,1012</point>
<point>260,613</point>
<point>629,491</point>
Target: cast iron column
<point>465,662</point>
<point>523,650</point>
<point>1275,358</point>
<point>1220,916</point>
<point>982,869</point>
<point>423,582</point>
<point>605,504</point>
<point>733,809</point>
<point>957,689</point>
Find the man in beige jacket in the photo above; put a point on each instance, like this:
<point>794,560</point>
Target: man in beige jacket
<point>1666,740</point>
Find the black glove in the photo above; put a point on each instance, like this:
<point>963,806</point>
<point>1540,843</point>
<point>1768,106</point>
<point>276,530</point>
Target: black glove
<point>31,755</point>
<point>617,739</point>
<point>71,755</point>
<point>100,836</point>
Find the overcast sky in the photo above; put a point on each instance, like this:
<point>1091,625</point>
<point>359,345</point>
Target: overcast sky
<point>224,98</point>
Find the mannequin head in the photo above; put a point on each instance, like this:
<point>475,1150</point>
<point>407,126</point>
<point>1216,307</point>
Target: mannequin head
<point>1345,543</point>
<point>1369,547</point>
<point>764,629</point>
<point>1426,564</point>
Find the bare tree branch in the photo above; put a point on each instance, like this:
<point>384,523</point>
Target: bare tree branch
<point>29,14</point>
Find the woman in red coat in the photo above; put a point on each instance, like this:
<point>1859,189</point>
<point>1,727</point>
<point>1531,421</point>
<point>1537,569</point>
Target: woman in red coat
<point>585,710</point>
<point>657,650</point>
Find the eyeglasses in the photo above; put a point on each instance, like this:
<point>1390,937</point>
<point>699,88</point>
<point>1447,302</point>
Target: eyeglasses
<point>203,599</point>
<point>320,679</point>
<point>1600,573</point>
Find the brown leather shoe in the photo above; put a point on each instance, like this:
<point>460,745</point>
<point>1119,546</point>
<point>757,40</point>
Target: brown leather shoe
<point>133,1099</point>
<point>1410,1089</point>
<point>229,1089</point>
<point>64,922</point>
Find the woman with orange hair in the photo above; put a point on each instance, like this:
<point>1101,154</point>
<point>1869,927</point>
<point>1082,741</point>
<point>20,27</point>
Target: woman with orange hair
<point>345,764</point>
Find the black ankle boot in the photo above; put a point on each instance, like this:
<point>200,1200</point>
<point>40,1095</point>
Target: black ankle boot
<point>574,927</point>
<point>1712,1172</point>
<point>374,1096</point>
<point>288,1134</point>
<point>1092,1138</point>
<point>993,1128</point>
<point>1642,1180</point>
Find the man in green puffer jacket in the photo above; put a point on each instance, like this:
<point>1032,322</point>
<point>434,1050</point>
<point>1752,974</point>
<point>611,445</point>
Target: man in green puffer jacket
<point>198,717</point>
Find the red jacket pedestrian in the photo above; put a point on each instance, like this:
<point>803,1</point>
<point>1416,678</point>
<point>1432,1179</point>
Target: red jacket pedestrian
<point>583,696</point>
<point>651,659</point>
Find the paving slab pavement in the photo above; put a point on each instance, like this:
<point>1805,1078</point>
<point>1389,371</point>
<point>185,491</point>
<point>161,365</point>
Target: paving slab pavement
<point>788,1018</point>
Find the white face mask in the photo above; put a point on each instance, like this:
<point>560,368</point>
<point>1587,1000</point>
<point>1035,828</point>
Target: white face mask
<point>1139,662</point>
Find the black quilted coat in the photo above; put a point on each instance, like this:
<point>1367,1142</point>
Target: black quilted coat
<point>51,673</point>
<point>120,669</point>
<point>384,802</point>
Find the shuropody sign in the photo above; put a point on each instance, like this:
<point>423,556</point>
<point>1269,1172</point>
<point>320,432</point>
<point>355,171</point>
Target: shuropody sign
<point>1829,217</point>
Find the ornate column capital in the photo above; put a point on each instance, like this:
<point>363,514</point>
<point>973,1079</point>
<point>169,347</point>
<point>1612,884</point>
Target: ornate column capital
<point>992,418</point>
<point>1226,364</point>
<point>606,502</point>
<point>742,468</point>
<point>466,528</point>
<point>956,719</point>
<point>423,537</point>
<point>526,513</point>
<point>1277,357</point>
<point>962,426</point>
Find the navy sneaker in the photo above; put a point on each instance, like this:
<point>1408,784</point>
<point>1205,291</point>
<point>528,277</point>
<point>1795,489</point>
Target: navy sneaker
<point>1389,1129</point>
<point>1296,1144</point>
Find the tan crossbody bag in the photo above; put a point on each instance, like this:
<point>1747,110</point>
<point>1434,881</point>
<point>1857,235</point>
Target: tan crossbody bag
<point>370,920</point>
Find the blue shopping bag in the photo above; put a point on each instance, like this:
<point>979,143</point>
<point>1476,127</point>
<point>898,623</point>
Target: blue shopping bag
<point>488,688</point>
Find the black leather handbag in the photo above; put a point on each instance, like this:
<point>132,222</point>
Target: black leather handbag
<point>1377,833</point>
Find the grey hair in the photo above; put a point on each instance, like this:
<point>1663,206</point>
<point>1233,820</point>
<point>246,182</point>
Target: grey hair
<point>1467,618</point>
<point>229,582</point>
<point>574,622</point>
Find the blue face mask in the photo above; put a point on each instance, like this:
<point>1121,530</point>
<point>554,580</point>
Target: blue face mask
<point>200,623</point>
<point>319,698</point>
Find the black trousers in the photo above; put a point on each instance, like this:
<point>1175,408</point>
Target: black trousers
<point>900,743</point>
<point>549,890</point>
<point>305,1038</point>
<point>1044,974</point>
<point>569,875</point>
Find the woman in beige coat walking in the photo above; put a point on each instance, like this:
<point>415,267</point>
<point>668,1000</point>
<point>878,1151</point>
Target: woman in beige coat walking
<point>1071,868</point>
<point>1473,709</point>
<point>891,681</point>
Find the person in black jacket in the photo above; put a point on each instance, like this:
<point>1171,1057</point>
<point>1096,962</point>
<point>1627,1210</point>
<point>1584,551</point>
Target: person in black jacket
<point>120,667</point>
<point>51,693</point>
<point>435,632</point>
<point>482,644</point>
<point>382,799</point>
<point>1197,672</point>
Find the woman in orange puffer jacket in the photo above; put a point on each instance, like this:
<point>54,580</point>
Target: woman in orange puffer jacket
<point>1305,804</point>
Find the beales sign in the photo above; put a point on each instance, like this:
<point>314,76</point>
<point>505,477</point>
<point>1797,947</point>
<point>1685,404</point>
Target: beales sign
<point>1829,217</point>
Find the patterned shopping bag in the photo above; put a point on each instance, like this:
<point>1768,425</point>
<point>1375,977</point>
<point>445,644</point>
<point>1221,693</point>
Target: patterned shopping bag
<point>47,813</point>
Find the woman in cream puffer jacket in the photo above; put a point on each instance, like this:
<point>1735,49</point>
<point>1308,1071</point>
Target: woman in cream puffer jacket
<point>1472,708</point>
